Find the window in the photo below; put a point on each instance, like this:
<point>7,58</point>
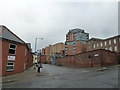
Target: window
<point>12,49</point>
<point>83,42</point>
<point>115,48</point>
<point>114,40</point>
<point>110,48</point>
<point>89,56</point>
<point>73,51</point>
<point>105,48</point>
<point>65,43</point>
<point>94,45</point>
<point>105,43</point>
<point>10,66</point>
<point>96,55</point>
<point>89,47</point>
<point>74,43</point>
<point>74,48</point>
<point>101,44</point>
<point>66,53</point>
<point>97,44</point>
<point>109,41</point>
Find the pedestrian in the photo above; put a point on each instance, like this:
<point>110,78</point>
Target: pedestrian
<point>39,65</point>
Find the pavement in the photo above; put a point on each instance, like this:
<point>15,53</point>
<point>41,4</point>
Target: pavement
<point>53,76</point>
<point>32,73</point>
<point>29,74</point>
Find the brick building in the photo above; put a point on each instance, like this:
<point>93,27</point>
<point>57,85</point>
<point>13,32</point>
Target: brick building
<point>47,53</point>
<point>56,48</point>
<point>50,50</point>
<point>16,54</point>
<point>112,44</point>
<point>75,47</point>
<point>93,58</point>
<point>85,52</point>
<point>76,42</point>
<point>28,56</point>
<point>43,51</point>
<point>43,59</point>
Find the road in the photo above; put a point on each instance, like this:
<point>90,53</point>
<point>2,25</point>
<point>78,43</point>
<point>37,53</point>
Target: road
<point>69,77</point>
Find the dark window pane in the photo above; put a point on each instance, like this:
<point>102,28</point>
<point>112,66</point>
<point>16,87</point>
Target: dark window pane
<point>9,67</point>
<point>11,51</point>
<point>10,63</point>
<point>12,46</point>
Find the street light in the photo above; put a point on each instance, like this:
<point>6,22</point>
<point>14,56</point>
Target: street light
<point>36,42</point>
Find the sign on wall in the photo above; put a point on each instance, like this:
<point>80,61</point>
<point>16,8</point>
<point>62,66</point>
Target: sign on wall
<point>11,57</point>
<point>96,55</point>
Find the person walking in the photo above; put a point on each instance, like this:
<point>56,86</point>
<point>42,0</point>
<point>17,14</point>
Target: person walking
<point>39,65</point>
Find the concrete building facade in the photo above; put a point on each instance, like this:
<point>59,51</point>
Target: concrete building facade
<point>77,34</point>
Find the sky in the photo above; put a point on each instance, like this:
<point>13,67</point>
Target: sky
<point>30,19</point>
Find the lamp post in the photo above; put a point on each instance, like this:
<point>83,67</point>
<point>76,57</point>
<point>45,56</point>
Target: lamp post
<point>36,42</point>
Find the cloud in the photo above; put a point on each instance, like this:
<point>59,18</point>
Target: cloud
<point>52,20</point>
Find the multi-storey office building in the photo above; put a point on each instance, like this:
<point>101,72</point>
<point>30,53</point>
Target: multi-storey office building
<point>112,44</point>
<point>76,42</point>
<point>77,34</point>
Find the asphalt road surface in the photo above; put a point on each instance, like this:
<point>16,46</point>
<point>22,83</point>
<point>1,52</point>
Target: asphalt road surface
<point>69,77</point>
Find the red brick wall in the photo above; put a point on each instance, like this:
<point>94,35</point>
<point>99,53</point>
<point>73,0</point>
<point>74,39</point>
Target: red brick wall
<point>43,58</point>
<point>29,59</point>
<point>89,59</point>
<point>19,61</point>
<point>118,56</point>
<point>110,58</point>
<point>20,58</point>
<point>43,51</point>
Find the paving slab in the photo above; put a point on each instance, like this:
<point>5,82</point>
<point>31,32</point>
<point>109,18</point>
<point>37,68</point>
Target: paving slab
<point>24,76</point>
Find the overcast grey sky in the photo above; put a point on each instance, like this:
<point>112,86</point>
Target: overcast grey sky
<point>52,20</point>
